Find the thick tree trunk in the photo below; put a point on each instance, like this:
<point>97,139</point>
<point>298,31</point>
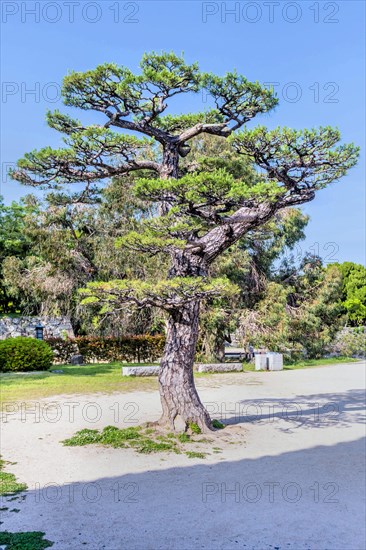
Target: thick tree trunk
<point>179,397</point>
<point>178,394</point>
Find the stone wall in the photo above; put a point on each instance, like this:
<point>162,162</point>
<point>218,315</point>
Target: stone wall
<point>54,327</point>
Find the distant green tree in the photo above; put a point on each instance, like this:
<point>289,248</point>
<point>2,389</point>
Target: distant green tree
<point>267,324</point>
<point>302,315</point>
<point>317,315</point>
<point>354,292</point>
<point>70,244</point>
<point>14,242</point>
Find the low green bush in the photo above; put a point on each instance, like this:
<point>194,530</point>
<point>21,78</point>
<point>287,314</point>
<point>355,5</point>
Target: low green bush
<point>24,354</point>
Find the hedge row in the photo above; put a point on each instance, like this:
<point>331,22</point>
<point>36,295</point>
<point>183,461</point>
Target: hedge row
<point>132,349</point>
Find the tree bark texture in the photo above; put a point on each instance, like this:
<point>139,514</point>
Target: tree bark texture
<point>179,397</point>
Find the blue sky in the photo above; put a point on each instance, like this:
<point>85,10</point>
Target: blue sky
<point>313,51</point>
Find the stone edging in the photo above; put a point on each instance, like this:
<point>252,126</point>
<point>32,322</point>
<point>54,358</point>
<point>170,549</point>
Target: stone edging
<point>153,370</point>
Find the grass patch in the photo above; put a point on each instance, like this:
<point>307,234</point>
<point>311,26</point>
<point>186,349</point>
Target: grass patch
<point>103,378</point>
<point>193,454</point>
<point>216,450</point>
<point>195,429</point>
<point>32,540</point>
<point>184,438</point>
<point>141,439</point>
<point>307,363</point>
<point>8,483</point>
<point>202,440</point>
<point>110,435</point>
<point>93,378</point>
<point>217,424</point>
<point>149,445</point>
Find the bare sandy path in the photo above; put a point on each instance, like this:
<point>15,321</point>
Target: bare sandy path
<point>294,479</point>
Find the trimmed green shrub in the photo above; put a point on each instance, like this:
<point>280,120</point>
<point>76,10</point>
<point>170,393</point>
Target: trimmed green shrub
<point>132,349</point>
<point>24,354</point>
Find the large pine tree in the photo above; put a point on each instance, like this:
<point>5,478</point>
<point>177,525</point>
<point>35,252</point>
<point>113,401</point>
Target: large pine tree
<point>198,215</point>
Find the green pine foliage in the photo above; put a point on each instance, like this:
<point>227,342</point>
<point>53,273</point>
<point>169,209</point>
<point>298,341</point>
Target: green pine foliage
<point>166,294</point>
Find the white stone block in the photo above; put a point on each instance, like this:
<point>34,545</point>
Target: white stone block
<point>148,370</point>
<point>218,367</point>
<point>260,361</point>
<point>275,361</point>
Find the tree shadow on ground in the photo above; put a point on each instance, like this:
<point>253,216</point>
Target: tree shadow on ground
<point>308,411</point>
<point>310,499</point>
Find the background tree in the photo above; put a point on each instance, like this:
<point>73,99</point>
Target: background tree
<point>15,243</point>
<point>199,215</point>
<point>354,292</point>
<point>300,315</point>
<point>316,315</point>
<point>69,244</point>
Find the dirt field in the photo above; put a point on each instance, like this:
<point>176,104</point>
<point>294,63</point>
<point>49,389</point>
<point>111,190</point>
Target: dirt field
<point>287,473</point>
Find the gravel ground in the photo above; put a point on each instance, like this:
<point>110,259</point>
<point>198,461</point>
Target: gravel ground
<point>289,474</point>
